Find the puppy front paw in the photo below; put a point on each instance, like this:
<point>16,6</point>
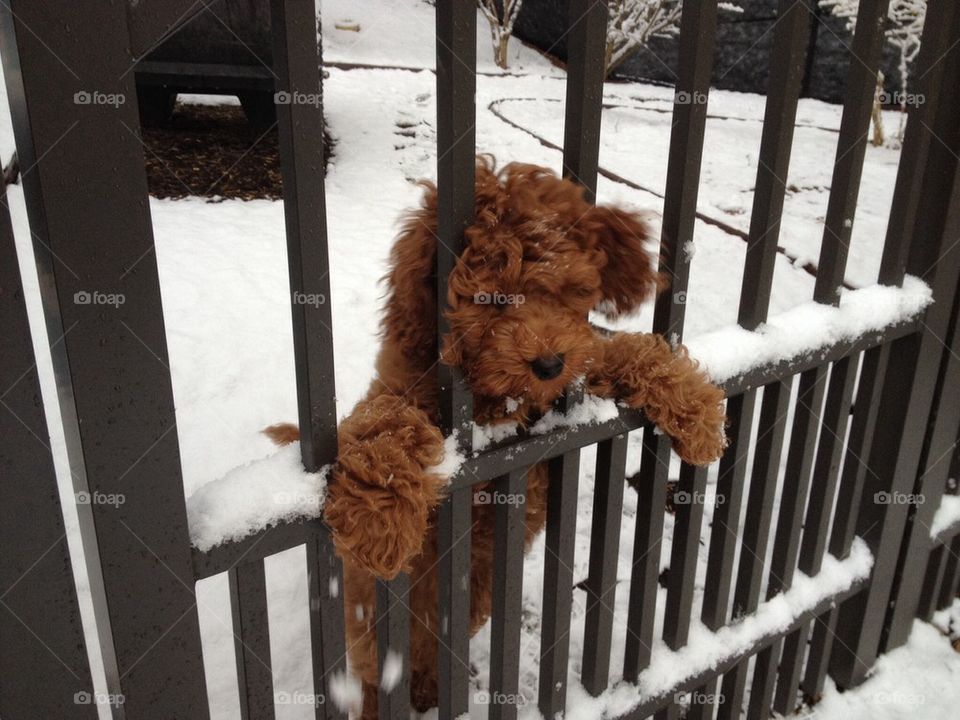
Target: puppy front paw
<point>378,505</point>
<point>699,436</point>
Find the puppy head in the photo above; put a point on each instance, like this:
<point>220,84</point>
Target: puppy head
<point>537,260</point>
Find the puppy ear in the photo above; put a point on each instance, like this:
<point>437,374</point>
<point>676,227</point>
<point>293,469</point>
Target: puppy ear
<point>409,322</point>
<point>629,277</point>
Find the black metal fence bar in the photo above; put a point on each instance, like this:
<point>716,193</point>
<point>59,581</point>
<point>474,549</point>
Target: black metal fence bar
<point>456,142</point>
<point>393,648</point>
<point>783,92</point>
<point>678,608</point>
<point>43,658</point>
<point>756,532</point>
<point>297,70</point>
<point>932,582</point>
<point>328,651</point>
<point>851,149</point>
<point>112,358</point>
<point>601,582</point>
<point>928,491</point>
<point>586,43</point>
<point>696,42</point>
<point>251,632</point>
<point>510,528</point>
<point>907,396</point>
<point>918,142</point>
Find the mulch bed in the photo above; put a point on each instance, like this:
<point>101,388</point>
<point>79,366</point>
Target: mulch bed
<point>212,151</point>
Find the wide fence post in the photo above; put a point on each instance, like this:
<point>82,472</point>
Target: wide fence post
<point>69,74</point>
<point>43,657</point>
<point>910,381</point>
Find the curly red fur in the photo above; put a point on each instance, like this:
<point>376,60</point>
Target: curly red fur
<point>551,257</point>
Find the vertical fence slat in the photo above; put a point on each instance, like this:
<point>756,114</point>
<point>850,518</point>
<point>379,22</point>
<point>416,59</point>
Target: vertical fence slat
<point>851,149</point>
<point>507,596</point>
<point>112,370</point>
<point>393,648</point>
<point>932,582</point>
<point>783,91</point>
<point>456,144</point>
<point>558,583</point>
<point>43,658</point>
<point>328,651</point>
<point>696,44</point>
<point>586,43</point>
<point>651,487</point>
<point>683,555</point>
<point>753,543</point>
<point>248,604</point>
<point>601,583</point>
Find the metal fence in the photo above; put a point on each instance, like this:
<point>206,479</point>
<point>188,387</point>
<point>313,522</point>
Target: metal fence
<point>889,411</point>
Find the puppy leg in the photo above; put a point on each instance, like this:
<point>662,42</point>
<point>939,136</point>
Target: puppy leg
<point>380,493</point>
<point>644,372</point>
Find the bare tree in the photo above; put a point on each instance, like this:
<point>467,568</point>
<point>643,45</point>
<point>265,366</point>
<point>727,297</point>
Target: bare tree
<point>905,20</point>
<point>633,23</point>
<point>501,16</point>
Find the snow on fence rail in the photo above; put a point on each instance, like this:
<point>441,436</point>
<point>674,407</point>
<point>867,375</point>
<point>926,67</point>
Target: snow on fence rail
<point>759,596</point>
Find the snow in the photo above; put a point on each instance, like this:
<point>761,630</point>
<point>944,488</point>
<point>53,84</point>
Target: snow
<point>392,670</point>
<point>947,514</point>
<point>224,285</point>
<point>808,327</point>
<point>254,496</point>
<point>591,410</point>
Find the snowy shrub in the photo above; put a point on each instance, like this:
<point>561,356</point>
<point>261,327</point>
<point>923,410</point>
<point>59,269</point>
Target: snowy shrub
<point>501,14</point>
<point>632,23</point>
<point>905,20</point>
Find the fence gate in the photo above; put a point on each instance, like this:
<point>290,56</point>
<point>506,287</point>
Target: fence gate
<point>875,414</point>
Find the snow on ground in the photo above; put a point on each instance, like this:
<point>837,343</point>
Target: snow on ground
<point>226,304</point>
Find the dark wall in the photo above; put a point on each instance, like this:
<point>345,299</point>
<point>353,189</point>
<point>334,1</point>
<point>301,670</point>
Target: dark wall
<point>743,45</point>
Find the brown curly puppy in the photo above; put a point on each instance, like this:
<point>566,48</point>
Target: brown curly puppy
<point>537,260</point>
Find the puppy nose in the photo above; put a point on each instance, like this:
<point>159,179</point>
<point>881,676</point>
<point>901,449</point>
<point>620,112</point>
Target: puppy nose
<point>548,366</point>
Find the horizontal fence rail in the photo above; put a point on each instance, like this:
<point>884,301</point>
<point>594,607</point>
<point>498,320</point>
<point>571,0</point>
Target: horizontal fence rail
<point>824,432</point>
